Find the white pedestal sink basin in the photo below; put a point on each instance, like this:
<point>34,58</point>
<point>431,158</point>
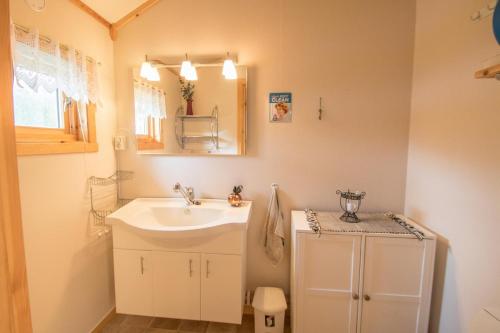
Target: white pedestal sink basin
<point>144,222</point>
<point>171,215</point>
<point>178,261</point>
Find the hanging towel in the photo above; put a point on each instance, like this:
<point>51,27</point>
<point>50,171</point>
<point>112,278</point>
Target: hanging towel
<point>274,240</point>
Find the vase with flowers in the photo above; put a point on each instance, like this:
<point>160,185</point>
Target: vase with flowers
<point>187,92</point>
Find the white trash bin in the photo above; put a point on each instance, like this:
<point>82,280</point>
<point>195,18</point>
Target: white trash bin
<point>269,310</point>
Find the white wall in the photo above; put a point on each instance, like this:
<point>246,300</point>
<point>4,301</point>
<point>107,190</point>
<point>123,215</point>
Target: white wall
<point>357,55</point>
<point>453,184</point>
<point>69,273</point>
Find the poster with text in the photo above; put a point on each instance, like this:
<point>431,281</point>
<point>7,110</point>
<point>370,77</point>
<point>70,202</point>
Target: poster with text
<point>280,107</point>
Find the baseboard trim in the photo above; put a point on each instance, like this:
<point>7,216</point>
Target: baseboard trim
<point>104,321</point>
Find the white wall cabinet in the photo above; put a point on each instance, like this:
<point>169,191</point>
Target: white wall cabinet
<point>392,285</point>
<point>330,279</point>
<point>355,282</point>
<point>184,285</point>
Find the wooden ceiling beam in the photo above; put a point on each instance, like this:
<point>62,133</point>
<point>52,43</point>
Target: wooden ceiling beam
<point>114,27</point>
<point>130,16</point>
<point>91,12</point>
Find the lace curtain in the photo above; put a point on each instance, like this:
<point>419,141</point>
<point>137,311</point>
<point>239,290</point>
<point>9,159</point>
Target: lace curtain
<point>41,62</point>
<point>149,101</point>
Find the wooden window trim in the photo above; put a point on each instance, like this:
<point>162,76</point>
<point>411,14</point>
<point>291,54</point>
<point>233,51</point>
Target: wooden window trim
<point>149,141</point>
<point>146,143</point>
<point>15,315</point>
<point>46,141</point>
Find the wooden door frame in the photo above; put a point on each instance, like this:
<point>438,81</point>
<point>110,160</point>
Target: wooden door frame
<point>14,301</point>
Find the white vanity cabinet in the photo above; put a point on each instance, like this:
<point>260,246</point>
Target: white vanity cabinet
<point>181,278</point>
<point>221,288</point>
<point>176,284</point>
<point>133,281</point>
<point>177,261</point>
<point>196,286</point>
<point>360,282</point>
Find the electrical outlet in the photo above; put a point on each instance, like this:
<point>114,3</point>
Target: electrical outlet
<point>120,142</point>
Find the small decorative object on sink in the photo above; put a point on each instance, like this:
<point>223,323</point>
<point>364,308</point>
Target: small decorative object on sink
<point>234,198</point>
<point>187,91</point>
<point>350,203</point>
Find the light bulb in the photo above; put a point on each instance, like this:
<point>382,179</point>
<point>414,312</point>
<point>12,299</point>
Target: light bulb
<point>146,70</point>
<point>229,70</point>
<point>154,75</point>
<point>185,68</point>
<point>192,75</point>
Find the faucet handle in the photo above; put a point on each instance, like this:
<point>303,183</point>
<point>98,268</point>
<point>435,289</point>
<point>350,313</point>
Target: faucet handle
<point>177,187</point>
<point>190,192</point>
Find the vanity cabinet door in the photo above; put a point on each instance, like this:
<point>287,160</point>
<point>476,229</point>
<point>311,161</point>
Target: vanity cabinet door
<point>133,281</point>
<point>221,288</point>
<point>176,285</point>
<point>327,283</point>
<point>393,285</point>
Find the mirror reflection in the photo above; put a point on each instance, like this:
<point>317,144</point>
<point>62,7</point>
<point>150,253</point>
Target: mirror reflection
<point>206,116</point>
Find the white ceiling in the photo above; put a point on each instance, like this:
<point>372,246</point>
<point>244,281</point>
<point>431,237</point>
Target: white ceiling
<point>113,10</point>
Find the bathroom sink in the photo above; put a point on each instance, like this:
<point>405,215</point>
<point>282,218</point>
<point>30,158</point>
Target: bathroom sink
<point>169,216</point>
<point>168,257</point>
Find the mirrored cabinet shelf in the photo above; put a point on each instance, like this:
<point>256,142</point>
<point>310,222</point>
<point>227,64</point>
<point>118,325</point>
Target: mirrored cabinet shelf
<point>193,117</point>
<point>208,132</point>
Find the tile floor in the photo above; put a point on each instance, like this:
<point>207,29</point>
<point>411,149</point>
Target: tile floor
<point>139,324</point>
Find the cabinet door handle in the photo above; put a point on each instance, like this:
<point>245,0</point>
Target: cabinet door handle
<point>142,265</point>
<point>208,268</point>
<point>355,296</point>
<point>367,298</point>
<point>190,267</point>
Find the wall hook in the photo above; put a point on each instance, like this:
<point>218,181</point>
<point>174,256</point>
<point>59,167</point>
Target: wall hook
<point>320,111</point>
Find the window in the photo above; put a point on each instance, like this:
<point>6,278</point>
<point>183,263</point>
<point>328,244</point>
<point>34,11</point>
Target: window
<point>149,135</point>
<point>150,109</point>
<point>55,95</point>
<point>51,123</point>
<point>37,109</point>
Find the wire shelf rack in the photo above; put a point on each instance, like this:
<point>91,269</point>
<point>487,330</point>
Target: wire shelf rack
<point>105,196</point>
<point>118,176</point>
<point>101,214</point>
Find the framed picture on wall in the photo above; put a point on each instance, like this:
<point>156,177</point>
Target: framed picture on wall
<point>280,107</point>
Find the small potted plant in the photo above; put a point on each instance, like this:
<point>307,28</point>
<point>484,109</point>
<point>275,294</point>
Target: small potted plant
<point>187,92</point>
<point>234,198</point>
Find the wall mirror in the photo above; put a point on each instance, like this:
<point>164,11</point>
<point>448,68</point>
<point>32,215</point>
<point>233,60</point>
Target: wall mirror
<point>206,116</point>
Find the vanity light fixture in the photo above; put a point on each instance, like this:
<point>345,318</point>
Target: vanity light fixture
<point>229,70</point>
<point>145,69</point>
<point>186,68</point>
<point>192,75</point>
<point>149,72</point>
<point>154,75</point>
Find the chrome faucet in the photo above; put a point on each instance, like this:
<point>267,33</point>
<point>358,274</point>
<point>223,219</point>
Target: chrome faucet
<point>187,193</point>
